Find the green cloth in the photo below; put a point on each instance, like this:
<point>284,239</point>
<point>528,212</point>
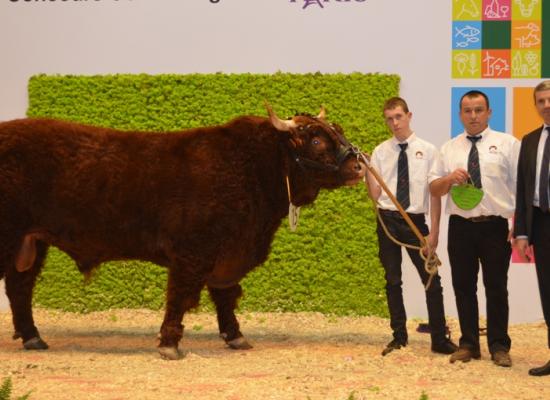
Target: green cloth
<point>466,196</point>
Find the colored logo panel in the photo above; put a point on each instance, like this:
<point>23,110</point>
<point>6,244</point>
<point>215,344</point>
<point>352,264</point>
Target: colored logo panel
<point>525,116</point>
<point>497,102</point>
<point>496,27</point>
<point>525,63</point>
<point>526,34</point>
<point>497,10</point>
<point>466,64</point>
<point>466,35</point>
<point>467,10</point>
<point>495,64</point>
<point>527,9</point>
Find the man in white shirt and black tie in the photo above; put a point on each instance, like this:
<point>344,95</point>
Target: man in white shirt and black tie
<point>532,222</point>
<point>479,233</point>
<point>403,163</point>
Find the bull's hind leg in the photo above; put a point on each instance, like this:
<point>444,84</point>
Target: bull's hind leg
<point>19,288</point>
<point>226,302</point>
<point>183,294</point>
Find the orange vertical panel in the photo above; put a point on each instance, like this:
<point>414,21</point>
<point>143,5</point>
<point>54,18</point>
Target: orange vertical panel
<point>525,115</point>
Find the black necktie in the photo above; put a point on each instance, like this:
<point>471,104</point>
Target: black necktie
<point>543,181</point>
<point>473,162</point>
<point>403,177</point>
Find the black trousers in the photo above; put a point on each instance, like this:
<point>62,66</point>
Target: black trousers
<point>541,245</point>
<point>391,258</point>
<point>470,243</point>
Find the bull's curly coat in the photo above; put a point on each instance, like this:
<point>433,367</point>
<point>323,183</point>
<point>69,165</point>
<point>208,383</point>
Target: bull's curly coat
<point>204,202</point>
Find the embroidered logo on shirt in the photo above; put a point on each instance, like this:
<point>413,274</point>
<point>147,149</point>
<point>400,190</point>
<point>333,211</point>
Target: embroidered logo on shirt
<point>419,154</point>
<point>493,149</point>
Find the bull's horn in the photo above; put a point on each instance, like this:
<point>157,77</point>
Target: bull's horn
<point>322,113</point>
<point>278,123</point>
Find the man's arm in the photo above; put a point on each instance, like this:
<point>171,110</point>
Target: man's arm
<point>520,217</point>
<point>373,187</point>
<point>435,217</point>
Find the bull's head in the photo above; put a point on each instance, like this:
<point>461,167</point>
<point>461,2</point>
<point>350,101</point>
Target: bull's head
<point>321,149</point>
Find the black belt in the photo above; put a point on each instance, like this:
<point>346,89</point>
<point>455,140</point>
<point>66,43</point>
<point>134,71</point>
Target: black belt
<point>397,214</point>
<point>481,218</point>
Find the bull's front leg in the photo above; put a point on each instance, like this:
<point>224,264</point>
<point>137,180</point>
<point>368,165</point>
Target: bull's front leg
<point>183,293</point>
<point>226,302</point>
<point>19,288</point>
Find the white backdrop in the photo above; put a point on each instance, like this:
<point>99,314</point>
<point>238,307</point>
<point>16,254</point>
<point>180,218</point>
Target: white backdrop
<point>404,37</point>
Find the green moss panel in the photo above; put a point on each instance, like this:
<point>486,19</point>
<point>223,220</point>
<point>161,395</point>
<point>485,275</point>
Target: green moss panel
<point>329,264</point>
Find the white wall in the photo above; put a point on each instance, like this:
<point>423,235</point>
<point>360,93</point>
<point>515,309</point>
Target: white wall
<point>404,37</point>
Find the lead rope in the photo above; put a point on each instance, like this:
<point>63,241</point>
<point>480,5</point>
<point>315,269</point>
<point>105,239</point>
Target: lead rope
<point>431,260</point>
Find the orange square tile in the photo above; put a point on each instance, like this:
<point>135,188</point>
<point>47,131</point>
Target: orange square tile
<point>526,34</point>
<point>495,64</point>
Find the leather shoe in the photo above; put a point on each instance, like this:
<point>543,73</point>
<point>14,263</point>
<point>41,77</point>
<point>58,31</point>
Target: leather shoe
<point>464,354</point>
<point>393,345</point>
<point>445,347</point>
<point>540,371</point>
<point>501,358</point>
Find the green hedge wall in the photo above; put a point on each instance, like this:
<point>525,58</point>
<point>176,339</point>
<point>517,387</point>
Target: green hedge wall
<point>329,265</point>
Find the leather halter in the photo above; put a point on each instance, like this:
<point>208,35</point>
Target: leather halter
<point>342,152</point>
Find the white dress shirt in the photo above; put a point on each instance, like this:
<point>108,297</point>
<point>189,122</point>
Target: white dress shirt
<point>420,156</point>
<point>540,150</point>
<point>498,158</point>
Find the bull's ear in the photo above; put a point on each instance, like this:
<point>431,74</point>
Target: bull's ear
<point>296,142</point>
<point>322,114</point>
<point>279,124</point>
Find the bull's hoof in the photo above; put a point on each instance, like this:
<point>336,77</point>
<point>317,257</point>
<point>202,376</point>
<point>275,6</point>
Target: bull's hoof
<point>239,343</point>
<point>170,353</point>
<point>16,335</point>
<point>35,344</point>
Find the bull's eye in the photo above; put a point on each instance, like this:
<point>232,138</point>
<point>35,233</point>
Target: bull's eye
<point>316,142</point>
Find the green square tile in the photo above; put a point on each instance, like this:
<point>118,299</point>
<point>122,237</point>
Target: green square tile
<point>526,63</point>
<point>467,10</point>
<point>466,64</point>
<point>496,34</point>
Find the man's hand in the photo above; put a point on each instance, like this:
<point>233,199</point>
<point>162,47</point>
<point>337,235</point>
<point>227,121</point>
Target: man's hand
<point>524,250</point>
<point>458,176</point>
<point>432,241</point>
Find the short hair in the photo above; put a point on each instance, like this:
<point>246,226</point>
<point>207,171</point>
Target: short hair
<point>544,85</point>
<point>474,93</point>
<point>395,102</point>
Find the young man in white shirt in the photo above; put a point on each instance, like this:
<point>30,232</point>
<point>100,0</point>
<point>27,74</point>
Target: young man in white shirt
<point>488,160</point>
<point>403,163</point>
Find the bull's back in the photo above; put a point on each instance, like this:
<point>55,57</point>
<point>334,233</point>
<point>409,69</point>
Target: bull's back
<point>96,191</point>
<point>83,186</point>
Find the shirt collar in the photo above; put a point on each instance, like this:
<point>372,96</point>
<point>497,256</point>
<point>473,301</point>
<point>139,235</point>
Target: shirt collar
<point>395,143</point>
<point>483,134</point>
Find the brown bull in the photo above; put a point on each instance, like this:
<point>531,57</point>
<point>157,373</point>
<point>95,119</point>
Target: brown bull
<point>205,203</point>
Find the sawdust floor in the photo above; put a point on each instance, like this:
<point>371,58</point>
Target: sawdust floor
<point>112,355</point>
